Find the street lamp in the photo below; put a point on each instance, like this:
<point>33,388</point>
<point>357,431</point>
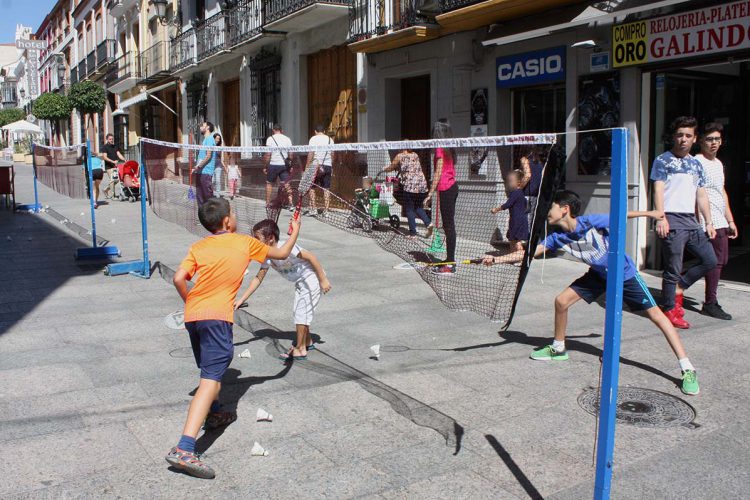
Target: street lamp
<point>161,10</point>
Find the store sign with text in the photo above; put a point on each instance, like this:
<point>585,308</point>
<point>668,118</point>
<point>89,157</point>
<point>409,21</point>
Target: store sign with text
<point>711,30</point>
<point>531,68</point>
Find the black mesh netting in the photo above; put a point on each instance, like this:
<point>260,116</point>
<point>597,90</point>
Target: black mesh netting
<point>61,169</point>
<point>377,211</point>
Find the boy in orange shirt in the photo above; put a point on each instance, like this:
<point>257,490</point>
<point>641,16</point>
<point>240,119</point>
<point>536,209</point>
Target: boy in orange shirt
<point>220,261</point>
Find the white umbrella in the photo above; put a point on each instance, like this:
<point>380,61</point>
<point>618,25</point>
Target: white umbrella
<point>22,126</point>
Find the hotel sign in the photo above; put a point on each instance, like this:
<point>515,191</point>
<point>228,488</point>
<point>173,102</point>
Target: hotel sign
<point>711,30</point>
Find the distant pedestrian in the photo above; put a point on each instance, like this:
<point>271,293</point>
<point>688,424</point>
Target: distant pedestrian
<point>234,176</point>
<point>532,181</point>
<point>219,261</point>
<point>204,170</point>
<point>219,168</point>
<point>414,185</point>
<point>721,215</point>
<point>323,161</point>
<point>111,155</point>
<point>518,223</point>
<point>278,164</point>
<point>444,183</point>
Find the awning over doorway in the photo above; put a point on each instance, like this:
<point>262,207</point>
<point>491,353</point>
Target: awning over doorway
<point>143,96</point>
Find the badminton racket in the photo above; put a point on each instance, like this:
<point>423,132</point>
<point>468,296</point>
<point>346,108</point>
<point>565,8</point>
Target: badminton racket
<point>305,183</point>
<point>176,320</point>
<point>422,265</point>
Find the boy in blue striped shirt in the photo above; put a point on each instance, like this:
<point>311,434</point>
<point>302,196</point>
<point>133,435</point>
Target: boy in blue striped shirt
<point>586,237</point>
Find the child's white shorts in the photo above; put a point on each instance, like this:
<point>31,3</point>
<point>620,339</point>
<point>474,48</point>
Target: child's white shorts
<point>306,298</point>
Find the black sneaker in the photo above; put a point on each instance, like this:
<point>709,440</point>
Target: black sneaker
<point>715,311</point>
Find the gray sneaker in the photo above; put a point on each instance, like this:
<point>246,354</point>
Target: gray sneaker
<point>715,311</point>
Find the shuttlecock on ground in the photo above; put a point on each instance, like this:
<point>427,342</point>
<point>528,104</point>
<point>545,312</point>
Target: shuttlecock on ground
<point>258,451</point>
<point>9,238</point>
<point>375,350</point>
<point>82,214</point>
<point>113,221</point>
<point>29,238</point>
<point>263,416</point>
<point>245,354</point>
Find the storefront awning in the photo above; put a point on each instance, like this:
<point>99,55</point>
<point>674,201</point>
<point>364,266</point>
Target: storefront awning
<point>492,11</point>
<point>143,96</point>
<point>567,17</point>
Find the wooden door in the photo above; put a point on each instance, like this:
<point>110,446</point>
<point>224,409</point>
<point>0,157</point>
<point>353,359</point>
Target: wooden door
<point>230,124</point>
<point>415,115</point>
<point>331,86</point>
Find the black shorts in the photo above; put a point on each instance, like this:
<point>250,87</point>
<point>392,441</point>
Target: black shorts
<point>635,293</point>
<point>97,174</point>
<point>212,346</point>
<point>324,176</point>
<point>280,172</point>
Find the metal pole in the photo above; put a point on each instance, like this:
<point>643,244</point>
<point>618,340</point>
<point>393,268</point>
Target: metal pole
<point>144,223</point>
<point>613,316</point>
<point>87,159</point>
<point>36,188</point>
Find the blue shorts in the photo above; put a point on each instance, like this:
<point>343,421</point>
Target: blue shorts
<point>212,347</point>
<point>280,172</point>
<point>635,293</point>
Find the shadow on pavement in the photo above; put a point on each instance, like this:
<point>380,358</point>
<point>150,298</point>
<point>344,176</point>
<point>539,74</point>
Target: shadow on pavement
<point>513,467</point>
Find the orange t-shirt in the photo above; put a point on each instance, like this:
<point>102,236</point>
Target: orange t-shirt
<point>220,261</point>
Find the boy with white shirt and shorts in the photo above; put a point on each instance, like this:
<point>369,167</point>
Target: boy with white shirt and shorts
<point>304,270</point>
<point>278,164</point>
<point>721,214</point>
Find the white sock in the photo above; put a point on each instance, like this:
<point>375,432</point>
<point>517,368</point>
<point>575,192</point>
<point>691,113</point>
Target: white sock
<point>558,345</point>
<point>685,364</point>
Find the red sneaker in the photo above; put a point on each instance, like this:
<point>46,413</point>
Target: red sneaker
<point>678,301</point>
<point>676,320</point>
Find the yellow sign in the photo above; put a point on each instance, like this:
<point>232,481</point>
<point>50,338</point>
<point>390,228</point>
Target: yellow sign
<point>629,44</point>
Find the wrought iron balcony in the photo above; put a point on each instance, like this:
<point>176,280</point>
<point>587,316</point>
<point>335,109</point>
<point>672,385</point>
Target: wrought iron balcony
<point>82,70</point>
<point>448,5</point>
<point>91,62</point>
<point>154,63</point>
<point>122,73</point>
<point>301,15</point>
<point>245,22</point>
<point>105,53</point>
<point>211,36</point>
<point>73,75</point>
<point>370,18</point>
<point>182,51</point>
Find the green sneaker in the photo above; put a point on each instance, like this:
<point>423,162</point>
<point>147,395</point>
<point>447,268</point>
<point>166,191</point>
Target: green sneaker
<point>690,383</point>
<point>548,353</point>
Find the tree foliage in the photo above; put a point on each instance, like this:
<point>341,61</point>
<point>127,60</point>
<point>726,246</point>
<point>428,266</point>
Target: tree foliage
<point>51,106</point>
<point>11,115</point>
<point>88,97</point>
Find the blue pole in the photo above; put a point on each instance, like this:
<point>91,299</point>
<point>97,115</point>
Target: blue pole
<point>91,193</point>
<point>144,223</point>
<point>36,189</point>
<point>613,316</point>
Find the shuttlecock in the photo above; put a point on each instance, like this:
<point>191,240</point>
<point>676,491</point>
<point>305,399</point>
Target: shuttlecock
<point>263,416</point>
<point>245,354</point>
<point>113,221</point>
<point>82,214</point>
<point>88,232</point>
<point>258,451</point>
<point>375,351</point>
<point>9,238</point>
<point>29,238</point>
<point>46,207</point>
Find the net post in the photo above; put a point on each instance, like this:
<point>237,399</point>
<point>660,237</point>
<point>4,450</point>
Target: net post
<point>613,318</point>
<point>95,252</point>
<point>35,207</point>
<point>140,268</point>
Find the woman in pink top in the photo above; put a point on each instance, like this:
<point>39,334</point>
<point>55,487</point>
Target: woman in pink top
<point>444,181</point>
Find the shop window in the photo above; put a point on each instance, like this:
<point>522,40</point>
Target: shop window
<point>598,108</point>
<point>266,93</point>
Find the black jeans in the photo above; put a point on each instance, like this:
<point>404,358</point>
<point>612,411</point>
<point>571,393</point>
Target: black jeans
<point>673,251</point>
<point>448,214</point>
<point>413,208</point>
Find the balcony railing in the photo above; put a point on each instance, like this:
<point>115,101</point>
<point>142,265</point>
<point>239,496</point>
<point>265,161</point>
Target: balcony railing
<point>369,18</point>
<point>154,62</point>
<point>82,70</point>
<point>211,36</point>
<point>182,53</point>
<point>91,62</point>
<point>121,68</point>
<point>277,9</point>
<point>105,52</point>
<point>245,22</point>
<point>73,75</point>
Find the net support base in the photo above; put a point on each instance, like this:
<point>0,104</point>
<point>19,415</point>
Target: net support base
<point>134,267</point>
<point>96,252</point>
<point>33,207</point>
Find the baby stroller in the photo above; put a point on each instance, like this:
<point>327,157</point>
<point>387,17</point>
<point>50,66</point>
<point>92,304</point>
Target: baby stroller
<point>130,183</point>
<point>373,202</point>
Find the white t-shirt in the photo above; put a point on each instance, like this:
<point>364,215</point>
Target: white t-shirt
<point>233,172</point>
<point>293,268</point>
<point>325,157</point>
<point>280,141</point>
<point>714,172</point>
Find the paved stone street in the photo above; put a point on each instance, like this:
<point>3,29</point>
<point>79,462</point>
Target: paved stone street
<point>95,388</point>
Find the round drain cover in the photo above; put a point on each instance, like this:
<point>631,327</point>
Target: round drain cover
<point>643,407</point>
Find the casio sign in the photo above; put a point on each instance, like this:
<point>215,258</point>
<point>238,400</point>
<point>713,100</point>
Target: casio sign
<point>531,68</point>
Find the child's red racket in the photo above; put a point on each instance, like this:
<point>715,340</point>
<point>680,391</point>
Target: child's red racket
<point>305,183</point>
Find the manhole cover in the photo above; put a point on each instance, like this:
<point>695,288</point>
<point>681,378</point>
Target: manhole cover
<point>643,407</point>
